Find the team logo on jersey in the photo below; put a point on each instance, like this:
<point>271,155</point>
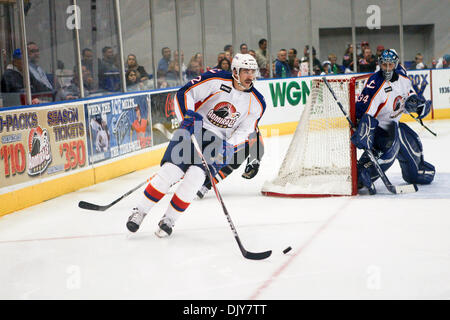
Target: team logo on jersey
<point>223,115</point>
<point>39,154</point>
<point>398,102</point>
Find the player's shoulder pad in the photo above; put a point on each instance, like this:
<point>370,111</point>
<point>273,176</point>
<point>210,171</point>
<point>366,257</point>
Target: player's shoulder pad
<point>217,73</point>
<point>260,97</point>
<point>374,82</point>
<point>401,70</point>
<point>208,75</point>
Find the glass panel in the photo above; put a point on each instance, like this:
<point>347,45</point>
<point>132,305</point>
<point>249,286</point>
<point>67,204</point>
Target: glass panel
<point>135,16</point>
<point>12,91</point>
<point>165,41</point>
<point>377,26</point>
<point>218,31</point>
<point>191,41</point>
<point>51,52</point>
<point>334,43</point>
<point>99,45</point>
<point>250,28</point>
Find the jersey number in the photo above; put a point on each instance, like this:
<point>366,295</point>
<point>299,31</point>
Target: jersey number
<point>363,97</point>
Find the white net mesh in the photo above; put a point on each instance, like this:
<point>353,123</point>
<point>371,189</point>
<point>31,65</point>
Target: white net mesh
<point>319,158</point>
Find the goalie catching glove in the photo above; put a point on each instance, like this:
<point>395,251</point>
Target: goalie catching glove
<point>419,105</point>
<point>364,135</point>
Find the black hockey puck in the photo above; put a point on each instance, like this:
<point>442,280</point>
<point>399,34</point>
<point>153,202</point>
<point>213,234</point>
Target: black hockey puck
<point>287,250</point>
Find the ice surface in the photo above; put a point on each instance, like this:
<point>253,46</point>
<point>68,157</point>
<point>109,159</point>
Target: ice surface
<point>364,247</point>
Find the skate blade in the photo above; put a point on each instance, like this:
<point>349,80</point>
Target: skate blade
<point>161,233</point>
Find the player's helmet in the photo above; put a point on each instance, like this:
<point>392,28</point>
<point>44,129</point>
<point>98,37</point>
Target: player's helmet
<point>389,56</point>
<point>243,61</point>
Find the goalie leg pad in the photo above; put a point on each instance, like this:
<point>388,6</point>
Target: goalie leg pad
<point>414,168</point>
<point>386,149</point>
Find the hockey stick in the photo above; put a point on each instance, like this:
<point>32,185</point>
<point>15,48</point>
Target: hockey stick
<point>96,207</point>
<point>409,188</point>
<point>422,124</point>
<point>245,253</point>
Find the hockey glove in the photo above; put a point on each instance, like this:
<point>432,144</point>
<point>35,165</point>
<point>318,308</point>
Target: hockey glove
<point>419,105</point>
<point>191,118</point>
<point>251,169</point>
<point>224,157</point>
<point>364,135</point>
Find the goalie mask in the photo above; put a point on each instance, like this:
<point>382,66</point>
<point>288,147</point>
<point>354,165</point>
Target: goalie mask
<point>243,61</point>
<point>388,56</point>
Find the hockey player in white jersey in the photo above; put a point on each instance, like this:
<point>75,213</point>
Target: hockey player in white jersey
<point>388,93</point>
<point>221,109</point>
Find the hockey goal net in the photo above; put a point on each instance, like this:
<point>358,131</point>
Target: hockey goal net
<point>321,160</point>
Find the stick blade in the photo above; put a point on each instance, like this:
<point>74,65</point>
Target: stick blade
<point>91,206</point>
<point>257,255</point>
<point>409,188</point>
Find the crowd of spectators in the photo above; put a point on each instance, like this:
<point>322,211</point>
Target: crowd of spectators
<point>104,75</point>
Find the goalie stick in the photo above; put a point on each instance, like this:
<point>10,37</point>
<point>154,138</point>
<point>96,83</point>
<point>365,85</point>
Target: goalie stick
<point>422,124</point>
<point>245,253</point>
<point>409,188</point>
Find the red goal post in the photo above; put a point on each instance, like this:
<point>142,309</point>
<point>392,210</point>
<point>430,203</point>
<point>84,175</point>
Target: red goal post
<point>321,160</point>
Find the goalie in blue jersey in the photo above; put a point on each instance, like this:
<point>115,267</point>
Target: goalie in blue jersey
<point>388,94</point>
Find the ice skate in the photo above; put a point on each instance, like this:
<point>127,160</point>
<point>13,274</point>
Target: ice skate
<point>165,227</point>
<point>135,220</point>
<point>203,190</point>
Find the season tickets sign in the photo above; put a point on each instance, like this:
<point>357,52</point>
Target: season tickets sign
<point>41,142</point>
<point>118,126</point>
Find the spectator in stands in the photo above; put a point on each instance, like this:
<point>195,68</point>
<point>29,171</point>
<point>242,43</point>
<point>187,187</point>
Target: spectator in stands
<point>220,56</point>
<point>38,78</point>
<point>87,59</point>
<point>199,58</point>
<point>12,80</point>
<point>418,63</point>
<point>443,62</point>
<point>163,64</point>
<point>347,60</point>
<point>334,67</point>
<point>364,45</point>
<point>292,54</point>
<point>228,48</point>
<point>368,62</point>
<point>326,68</point>
<point>282,69</point>
<point>316,62</point>
<point>224,64</point>
<point>262,58</point>
<point>380,49</point>
<point>193,70</point>
<point>108,72</point>
<point>72,91</point>
<point>173,72</point>
<point>304,67</point>
<point>228,55</point>
<point>243,48</point>
<point>132,64</point>
<point>295,70</point>
<point>133,80</point>
<point>446,61</point>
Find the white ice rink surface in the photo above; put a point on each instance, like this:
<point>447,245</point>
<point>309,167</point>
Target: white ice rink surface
<point>363,247</point>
